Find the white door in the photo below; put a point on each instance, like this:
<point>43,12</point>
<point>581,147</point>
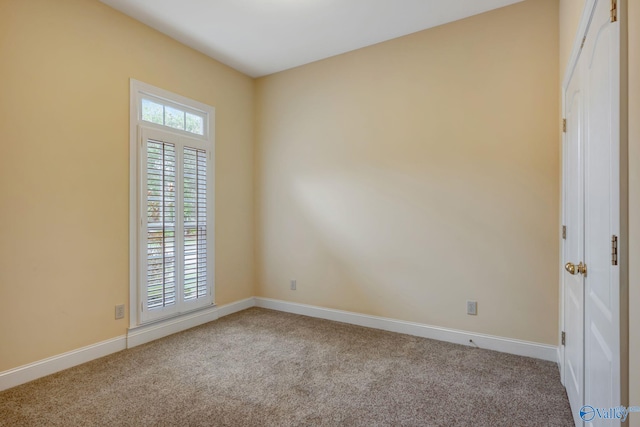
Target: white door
<point>591,189</point>
<point>573,250</point>
<point>601,82</point>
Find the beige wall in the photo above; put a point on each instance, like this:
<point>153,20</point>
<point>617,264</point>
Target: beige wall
<point>64,162</point>
<point>402,179</point>
<point>570,13</point>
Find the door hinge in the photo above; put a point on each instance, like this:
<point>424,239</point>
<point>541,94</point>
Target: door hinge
<point>614,250</point>
<point>564,232</point>
<point>564,125</point>
<point>584,39</point>
<point>141,306</point>
<point>563,338</point>
<point>614,10</point>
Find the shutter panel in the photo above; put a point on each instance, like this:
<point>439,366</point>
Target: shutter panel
<point>161,224</point>
<point>176,273</point>
<point>195,223</point>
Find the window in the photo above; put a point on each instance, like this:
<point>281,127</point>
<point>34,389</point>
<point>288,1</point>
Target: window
<point>166,114</point>
<point>173,242</point>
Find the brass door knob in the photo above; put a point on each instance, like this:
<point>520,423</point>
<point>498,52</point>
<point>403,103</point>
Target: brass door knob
<point>570,267</point>
<point>582,269</point>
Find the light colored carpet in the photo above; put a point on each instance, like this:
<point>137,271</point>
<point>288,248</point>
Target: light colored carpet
<point>265,368</point>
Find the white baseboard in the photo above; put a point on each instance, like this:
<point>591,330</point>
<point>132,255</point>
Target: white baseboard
<point>147,333</point>
<point>137,336</point>
<point>51,365</point>
<point>490,342</point>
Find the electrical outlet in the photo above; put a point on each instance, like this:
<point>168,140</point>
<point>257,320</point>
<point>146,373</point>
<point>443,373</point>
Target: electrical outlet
<point>294,284</point>
<point>472,308</point>
<point>120,311</point>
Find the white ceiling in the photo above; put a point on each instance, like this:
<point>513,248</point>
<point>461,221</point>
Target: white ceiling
<point>260,37</point>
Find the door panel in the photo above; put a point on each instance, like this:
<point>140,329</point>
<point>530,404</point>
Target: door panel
<point>573,246</point>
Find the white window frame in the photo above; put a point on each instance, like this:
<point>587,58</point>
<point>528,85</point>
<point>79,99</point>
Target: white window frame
<point>138,127</point>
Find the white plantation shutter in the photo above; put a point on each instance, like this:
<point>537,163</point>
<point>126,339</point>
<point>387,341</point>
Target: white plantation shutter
<point>195,223</point>
<point>176,227</point>
<point>161,224</point>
